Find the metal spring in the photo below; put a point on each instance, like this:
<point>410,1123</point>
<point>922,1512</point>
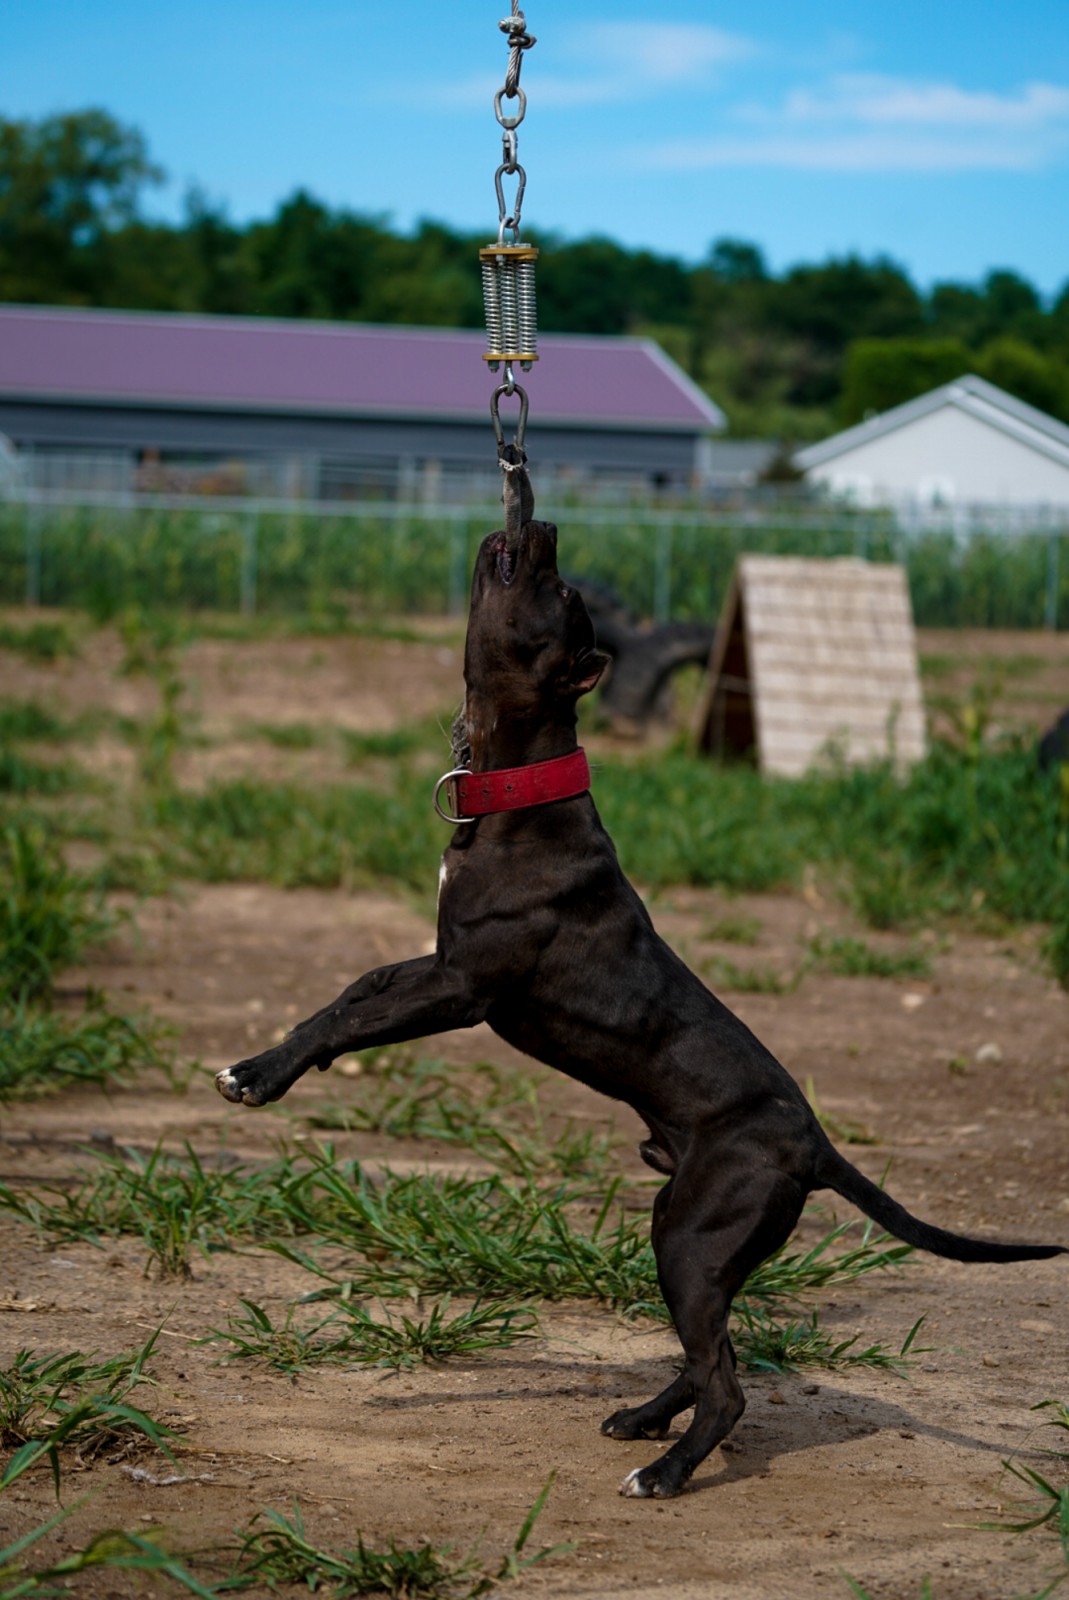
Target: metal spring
<point>510,330</point>
<point>492,302</point>
<point>508,274</point>
<point>527,309</point>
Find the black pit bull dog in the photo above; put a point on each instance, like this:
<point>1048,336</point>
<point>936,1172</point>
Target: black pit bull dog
<point>541,935</point>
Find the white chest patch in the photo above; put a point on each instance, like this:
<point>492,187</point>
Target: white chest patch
<point>443,874</point>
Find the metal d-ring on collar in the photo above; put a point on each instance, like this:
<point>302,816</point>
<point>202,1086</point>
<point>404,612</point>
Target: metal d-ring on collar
<point>457,772</point>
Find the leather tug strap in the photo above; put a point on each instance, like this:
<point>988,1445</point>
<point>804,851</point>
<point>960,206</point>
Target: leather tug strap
<point>478,794</point>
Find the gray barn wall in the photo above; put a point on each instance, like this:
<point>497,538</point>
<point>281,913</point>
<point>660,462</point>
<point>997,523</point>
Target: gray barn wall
<point>62,425</point>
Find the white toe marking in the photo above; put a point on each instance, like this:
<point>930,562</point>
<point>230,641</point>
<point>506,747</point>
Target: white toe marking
<point>631,1486</point>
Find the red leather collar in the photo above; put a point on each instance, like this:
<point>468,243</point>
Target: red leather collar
<point>477,794</point>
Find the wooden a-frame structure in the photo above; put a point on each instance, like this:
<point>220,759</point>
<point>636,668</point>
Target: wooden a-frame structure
<point>810,657</point>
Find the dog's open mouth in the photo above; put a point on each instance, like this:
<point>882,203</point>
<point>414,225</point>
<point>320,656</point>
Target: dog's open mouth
<point>506,561</point>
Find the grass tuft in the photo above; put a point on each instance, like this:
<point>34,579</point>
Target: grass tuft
<point>847,957</point>
<point>48,1401</point>
<point>410,1097</point>
<point>1049,1507</point>
<point>350,1336</point>
<point>721,973</point>
<point>282,1553</point>
<point>39,642</point>
<point>174,1204</point>
<point>49,915</point>
<point>766,1345</point>
<point>42,1052</point>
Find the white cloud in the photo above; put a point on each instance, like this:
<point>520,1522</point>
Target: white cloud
<point>657,53</point>
<point>866,122</point>
<point>610,63</point>
<point>849,152</point>
<point>873,98</point>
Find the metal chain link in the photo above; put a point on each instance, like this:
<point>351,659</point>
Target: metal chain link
<point>514,28</point>
<point>508,270</point>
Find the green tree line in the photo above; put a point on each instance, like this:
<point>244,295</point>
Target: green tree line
<point>788,356</point>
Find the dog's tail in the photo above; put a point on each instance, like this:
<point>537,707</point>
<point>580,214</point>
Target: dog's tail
<point>833,1171</point>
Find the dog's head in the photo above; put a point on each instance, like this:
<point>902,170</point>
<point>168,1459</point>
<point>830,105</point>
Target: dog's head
<point>530,641</point>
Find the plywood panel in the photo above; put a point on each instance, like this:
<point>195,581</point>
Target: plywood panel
<point>831,660</point>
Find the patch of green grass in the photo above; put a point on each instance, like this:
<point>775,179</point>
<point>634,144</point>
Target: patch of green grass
<point>415,1234</point>
<point>174,1204</point>
<point>765,1345</point>
<point>423,1235</point>
<point>152,641</point>
<point>408,1097</point>
<point>963,828</point>
<point>861,1593</point>
<point>936,666</point>
<point>1056,948</point>
<point>42,1052</point>
<point>27,721</point>
<point>1049,1507</point>
<point>281,1553</point>
<point>394,743</point>
<point>111,1549</point>
<point>724,974</point>
<point>71,1400</point>
<point>848,957</point>
<point>288,735</point>
<point>49,915</point>
<point>39,641</point>
<point>732,930</point>
<point>350,1336</point>
<point>794,1271</point>
<point>1015,666</point>
<point>330,836</point>
<point>19,775</point>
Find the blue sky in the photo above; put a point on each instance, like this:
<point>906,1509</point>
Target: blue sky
<point>935,133</point>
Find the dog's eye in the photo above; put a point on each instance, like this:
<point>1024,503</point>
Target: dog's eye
<point>564,591</point>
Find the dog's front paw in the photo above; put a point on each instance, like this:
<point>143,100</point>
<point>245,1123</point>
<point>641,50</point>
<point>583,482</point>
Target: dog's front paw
<point>259,1079</point>
<point>659,1481</point>
<point>241,1085</point>
<point>632,1424</point>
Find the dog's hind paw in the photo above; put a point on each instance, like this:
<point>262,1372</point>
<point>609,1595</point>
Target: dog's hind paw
<point>661,1480</point>
<point>629,1424</point>
<point>633,1487</point>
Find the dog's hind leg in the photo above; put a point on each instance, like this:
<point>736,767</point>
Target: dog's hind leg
<point>652,1420</point>
<point>706,1246</point>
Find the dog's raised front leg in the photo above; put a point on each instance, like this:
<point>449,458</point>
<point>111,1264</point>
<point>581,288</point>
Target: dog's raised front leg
<point>386,1005</point>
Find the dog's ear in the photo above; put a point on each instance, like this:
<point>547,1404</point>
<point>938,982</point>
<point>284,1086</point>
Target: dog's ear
<point>588,670</point>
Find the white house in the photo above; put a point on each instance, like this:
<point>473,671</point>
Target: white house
<point>967,443</point>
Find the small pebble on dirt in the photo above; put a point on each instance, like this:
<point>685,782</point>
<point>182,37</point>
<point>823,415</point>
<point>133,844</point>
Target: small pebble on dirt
<point>989,1055</point>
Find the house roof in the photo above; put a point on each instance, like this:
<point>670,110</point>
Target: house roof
<point>351,369</point>
<point>974,396</point>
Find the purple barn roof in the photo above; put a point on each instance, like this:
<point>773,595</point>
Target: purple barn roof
<point>349,369</point>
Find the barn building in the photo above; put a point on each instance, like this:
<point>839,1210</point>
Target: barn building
<point>305,410</point>
<point>966,444</point>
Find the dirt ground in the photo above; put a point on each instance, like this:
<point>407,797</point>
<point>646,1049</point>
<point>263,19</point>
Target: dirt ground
<point>962,1079</point>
